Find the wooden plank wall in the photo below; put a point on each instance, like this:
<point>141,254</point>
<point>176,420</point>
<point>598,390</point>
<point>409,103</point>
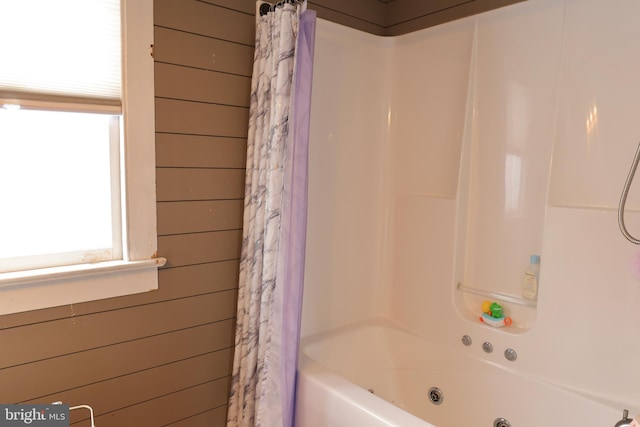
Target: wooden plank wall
<point>405,16</point>
<point>397,17</point>
<point>364,15</point>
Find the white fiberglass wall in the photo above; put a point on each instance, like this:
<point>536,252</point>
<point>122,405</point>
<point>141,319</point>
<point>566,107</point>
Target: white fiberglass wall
<point>451,154</point>
<point>348,133</point>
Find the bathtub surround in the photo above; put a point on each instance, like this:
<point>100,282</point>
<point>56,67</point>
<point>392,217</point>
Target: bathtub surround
<point>274,234</point>
<point>414,187</point>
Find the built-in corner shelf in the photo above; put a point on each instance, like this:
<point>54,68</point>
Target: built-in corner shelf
<point>521,311</point>
<point>496,295</point>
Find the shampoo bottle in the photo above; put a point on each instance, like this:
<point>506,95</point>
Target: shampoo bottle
<point>530,283</point>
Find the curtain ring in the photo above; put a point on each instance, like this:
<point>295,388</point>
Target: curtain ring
<point>265,8</point>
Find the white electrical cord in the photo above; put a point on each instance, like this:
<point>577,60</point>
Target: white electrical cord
<point>71,408</point>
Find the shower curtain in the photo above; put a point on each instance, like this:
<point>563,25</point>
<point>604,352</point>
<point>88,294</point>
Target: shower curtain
<point>274,233</point>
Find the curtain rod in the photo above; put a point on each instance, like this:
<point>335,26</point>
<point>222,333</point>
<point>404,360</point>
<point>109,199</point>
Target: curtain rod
<point>268,7</point>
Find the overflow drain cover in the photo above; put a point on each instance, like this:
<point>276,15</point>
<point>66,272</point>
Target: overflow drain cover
<point>435,395</point>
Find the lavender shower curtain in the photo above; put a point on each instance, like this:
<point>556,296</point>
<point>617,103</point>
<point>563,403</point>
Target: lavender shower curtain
<point>274,233</point>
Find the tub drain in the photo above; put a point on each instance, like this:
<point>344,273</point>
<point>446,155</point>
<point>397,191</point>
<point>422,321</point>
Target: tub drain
<point>435,395</point>
<point>501,422</point>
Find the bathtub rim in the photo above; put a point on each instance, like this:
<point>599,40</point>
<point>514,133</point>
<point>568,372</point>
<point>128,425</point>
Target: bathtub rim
<point>384,322</point>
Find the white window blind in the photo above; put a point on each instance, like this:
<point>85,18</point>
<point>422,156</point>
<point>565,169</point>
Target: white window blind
<point>61,52</point>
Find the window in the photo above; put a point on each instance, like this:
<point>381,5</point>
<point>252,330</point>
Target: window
<point>77,157</point>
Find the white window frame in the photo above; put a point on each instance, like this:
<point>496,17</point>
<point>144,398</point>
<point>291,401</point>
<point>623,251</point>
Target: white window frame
<point>138,271</point>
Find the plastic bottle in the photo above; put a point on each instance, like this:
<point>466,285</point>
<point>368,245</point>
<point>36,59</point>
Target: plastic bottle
<point>530,282</point>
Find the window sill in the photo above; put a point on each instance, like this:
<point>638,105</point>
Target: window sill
<point>51,287</point>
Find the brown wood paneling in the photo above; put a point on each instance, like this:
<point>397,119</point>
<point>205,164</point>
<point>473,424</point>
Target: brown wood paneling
<point>184,83</point>
<point>59,337</point>
<point>204,60</point>
<point>406,10</point>
<point>114,361</point>
<point>245,6</point>
<point>199,248</point>
<point>199,216</point>
<point>199,184</point>
<point>385,17</point>
<point>196,151</point>
<point>173,116</point>
<point>447,15</point>
<point>147,384</point>
<point>170,408</point>
<point>347,20</point>
<point>205,19</point>
<point>373,12</point>
<point>406,16</point>
<point>37,316</point>
<point>213,418</point>
<point>203,278</point>
<point>365,15</point>
<point>174,283</point>
<point>192,50</point>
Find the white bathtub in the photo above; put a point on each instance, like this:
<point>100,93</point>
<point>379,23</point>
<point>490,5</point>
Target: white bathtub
<point>339,369</point>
